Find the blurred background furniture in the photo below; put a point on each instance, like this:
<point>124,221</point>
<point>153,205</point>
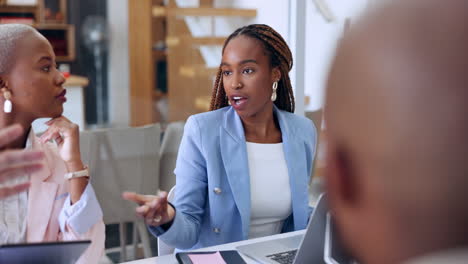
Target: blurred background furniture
<point>171,39</point>
<point>123,159</point>
<point>49,18</point>
<point>168,154</point>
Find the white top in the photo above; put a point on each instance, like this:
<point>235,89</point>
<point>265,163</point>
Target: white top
<point>270,192</point>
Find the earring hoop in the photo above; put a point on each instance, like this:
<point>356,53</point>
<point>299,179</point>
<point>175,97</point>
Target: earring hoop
<point>274,87</point>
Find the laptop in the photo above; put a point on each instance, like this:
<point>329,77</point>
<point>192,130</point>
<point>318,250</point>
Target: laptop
<point>307,248</point>
<point>334,252</point>
<point>64,252</point>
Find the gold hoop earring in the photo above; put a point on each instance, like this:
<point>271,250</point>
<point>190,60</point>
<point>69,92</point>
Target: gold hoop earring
<point>274,87</point>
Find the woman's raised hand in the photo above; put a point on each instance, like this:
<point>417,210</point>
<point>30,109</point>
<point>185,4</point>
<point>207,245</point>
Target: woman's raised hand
<point>67,136</point>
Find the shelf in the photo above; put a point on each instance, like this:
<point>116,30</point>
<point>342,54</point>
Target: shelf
<point>75,80</point>
<point>218,41</point>
<point>159,55</point>
<point>60,35</point>
<point>18,9</point>
<point>202,103</point>
<point>203,11</point>
<point>158,95</point>
<point>198,70</point>
<point>62,39</point>
<point>172,41</point>
<point>52,26</point>
<point>18,14</point>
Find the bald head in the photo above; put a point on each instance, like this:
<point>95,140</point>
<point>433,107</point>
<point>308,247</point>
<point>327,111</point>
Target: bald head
<point>10,36</point>
<point>397,120</point>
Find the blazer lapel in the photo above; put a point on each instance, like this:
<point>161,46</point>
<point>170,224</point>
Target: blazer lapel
<point>294,153</point>
<point>234,156</point>
<point>41,197</point>
<point>45,173</point>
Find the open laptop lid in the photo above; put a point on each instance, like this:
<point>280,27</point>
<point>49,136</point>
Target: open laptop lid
<point>312,245</point>
<point>66,252</point>
<point>309,246</point>
<point>334,251</point>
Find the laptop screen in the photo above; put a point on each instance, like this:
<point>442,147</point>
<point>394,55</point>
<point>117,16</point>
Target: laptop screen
<point>49,252</point>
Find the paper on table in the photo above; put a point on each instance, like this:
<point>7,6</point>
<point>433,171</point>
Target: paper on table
<point>21,2</point>
<point>209,258</point>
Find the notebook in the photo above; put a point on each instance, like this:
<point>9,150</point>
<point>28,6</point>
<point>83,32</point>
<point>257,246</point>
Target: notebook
<point>210,257</point>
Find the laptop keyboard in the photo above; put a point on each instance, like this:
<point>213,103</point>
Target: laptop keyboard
<point>284,257</point>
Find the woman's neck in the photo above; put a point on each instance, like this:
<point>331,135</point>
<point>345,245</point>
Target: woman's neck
<point>261,128</point>
<point>8,119</point>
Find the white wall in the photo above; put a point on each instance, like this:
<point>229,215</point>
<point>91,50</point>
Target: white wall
<point>321,40</point>
<point>274,13</point>
<point>321,36</point>
<point>119,84</point>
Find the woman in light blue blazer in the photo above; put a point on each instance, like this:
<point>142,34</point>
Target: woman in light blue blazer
<point>243,168</point>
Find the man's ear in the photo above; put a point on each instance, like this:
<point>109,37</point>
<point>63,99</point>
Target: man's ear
<point>341,181</point>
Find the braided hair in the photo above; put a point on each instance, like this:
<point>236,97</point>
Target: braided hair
<point>280,56</point>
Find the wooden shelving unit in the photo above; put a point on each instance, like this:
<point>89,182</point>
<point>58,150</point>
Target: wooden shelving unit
<point>62,37</point>
<point>60,34</point>
<point>19,9</point>
<point>176,40</point>
<point>189,79</point>
<point>203,11</point>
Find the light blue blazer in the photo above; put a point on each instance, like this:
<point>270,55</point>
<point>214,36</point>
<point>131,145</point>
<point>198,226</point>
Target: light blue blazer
<point>212,198</point>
